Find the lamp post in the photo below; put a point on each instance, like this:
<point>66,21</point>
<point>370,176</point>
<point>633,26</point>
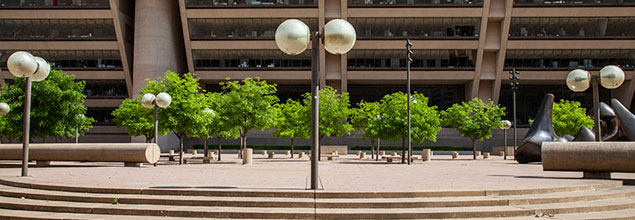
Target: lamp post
<point>610,77</point>
<point>24,65</point>
<point>161,100</point>
<point>506,125</point>
<point>207,113</point>
<point>292,37</point>
<point>409,60</point>
<point>514,84</point>
<point>78,117</point>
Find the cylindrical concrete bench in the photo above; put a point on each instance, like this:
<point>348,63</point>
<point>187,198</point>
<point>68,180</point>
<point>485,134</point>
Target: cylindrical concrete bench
<point>595,159</point>
<point>131,154</point>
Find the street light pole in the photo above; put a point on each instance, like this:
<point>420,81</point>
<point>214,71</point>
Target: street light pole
<point>26,127</point>
<point>409,61</point>
<point>156,125</point>
<point>596,108</point>
<point>315,108</point>
<point>514,78</point>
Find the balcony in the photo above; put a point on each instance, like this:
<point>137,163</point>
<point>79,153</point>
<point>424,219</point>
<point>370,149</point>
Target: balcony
<point>251,4</point>
<point>239,29</point>
<point>416,28</point>
<point>568,28</point>
<point>69,60</point>
<point>573,3</point>
<point>267,60</point>
<point>54,4</point>
<point>57,30</point>
<point>414,3</point>
<point>566,60</point>
<point>428,60</point>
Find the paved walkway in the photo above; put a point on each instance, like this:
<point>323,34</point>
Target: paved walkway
<point>342,174</point>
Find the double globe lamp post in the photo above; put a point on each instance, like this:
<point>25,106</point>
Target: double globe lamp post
<point>24,65</point>
<point>610,77</point>
<point>162,100</point>
<point>293,37</point>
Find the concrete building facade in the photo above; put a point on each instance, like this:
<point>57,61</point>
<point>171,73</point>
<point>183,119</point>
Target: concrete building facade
<point>462,48</point>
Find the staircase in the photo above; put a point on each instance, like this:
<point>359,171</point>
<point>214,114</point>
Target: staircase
<point>20,199</point>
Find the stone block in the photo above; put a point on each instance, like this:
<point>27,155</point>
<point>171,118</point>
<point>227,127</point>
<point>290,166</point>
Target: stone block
<point>248,156</point>
<point>455,155</point>
<point>301,154</point>
<point>264,152</point>
<point>271,154</point>
<point>477,153</point>
<point>362,155</point>
<point>485,155</point>
<point>426,154</point>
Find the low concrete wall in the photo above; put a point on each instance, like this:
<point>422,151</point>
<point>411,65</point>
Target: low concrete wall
<point>122,152</point>
<point>589,156</point>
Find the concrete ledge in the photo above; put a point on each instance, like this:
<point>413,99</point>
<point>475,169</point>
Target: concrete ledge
<point>589,156</point>
<point>107,152</point>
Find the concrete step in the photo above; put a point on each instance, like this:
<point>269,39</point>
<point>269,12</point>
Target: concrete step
<point>26,183</point>
<point>342,213</point>
<point>421,202</point>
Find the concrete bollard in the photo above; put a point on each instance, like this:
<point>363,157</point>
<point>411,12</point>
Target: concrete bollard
<point>301,154</point>
<point>426,155</point>
<point>362,155</point>
<point>393,154</point>
<point>334,152</point>
<point>359,152</point>
<point>502,153</point>
<point>271,154</point>
<point>171,152</point>
<point>194,152</point>
<point>431,153</point>
<point>264,152</point>
<point>455,154</point>
<point>248,156</point>
<point>287,153</point>
<point>477,153</point>
<point>485,155</point>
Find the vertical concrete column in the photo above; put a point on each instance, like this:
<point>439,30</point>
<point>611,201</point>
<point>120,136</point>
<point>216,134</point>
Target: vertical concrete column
<point>158,41</point>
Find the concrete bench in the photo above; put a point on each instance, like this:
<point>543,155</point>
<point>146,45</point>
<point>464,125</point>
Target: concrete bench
<point>595,159</point>
<point>390,158</point>
<point>204,159</point>
<point>131,154</point>
<point>341,149</point>
<point>330,156</point>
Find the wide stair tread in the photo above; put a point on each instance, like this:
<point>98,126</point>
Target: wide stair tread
<point>267,212</point>
<point>9,191</point>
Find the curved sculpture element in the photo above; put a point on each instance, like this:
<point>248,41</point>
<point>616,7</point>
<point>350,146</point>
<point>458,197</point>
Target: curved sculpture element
<point>585,134</point>
<point>541,131</point>
<point>625,119</point>
<point>608,122</point>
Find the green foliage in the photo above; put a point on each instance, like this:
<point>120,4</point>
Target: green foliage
<point>56,103</point>
<point>219,124</point>
<point>249,104</point>
<point>334,112</point>
<point>361,117</point>
<point>474,119</point>
<point>395,148</point>
<point>259,147</point>
<point>392,123</point>
<point>568,117</point>
<point>136,119</point>
<point>290,121</point>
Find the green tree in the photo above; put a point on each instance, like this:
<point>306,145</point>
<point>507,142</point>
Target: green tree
<point>183,117</point>
<point>425,121</point>
<point>218,124</point>
<point>136,119</point>
<point>363,121</point>
<point>290,121</point>
<point>55,104</point>
<point>474,119</point>
<point>334,113</point>
<point>568,117</point>
<point>249,105</point>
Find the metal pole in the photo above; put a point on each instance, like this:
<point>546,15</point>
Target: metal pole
<point>206,141</point>
<point>76,133</point>
<point>315,108</point>
<point>408,46</point>
<point>515,123</point>
<point>505,150</point>
<point>596,109</point>
<point>26,127</point>
<point>156,125</point>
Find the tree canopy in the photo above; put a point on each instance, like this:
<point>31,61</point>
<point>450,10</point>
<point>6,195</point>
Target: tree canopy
<point>334,113</point>
<point>136,119</point>
<point>474,119</point>
<point>290,121</point>
<point>425,122</point>
<point>57,104</point>
<point>568,117</point>
<point>362,119</point>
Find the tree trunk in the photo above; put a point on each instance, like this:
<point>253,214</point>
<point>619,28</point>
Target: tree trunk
<point>292,147</point>
<point>219,145</point>
<point>378,145</point>
<point>57,139</point>
<point>148,139</point>
<point>206,151</point>
<point>181,148</point>
<point>320,148</point>
<point>474,148</point>
<point>372,149</point>
<point>403,150</point>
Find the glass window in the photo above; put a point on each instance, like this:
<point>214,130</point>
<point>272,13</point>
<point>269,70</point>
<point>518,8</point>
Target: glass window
<point>568,59</point>
<point>422,60</point>
<point>572,28</point>
<point>249,59</point>
<point>57,29</point>
<point>102,116</point>
<point>571,3</point>
<point>75,59</point>
<point>105,89</point>
<point>415,3</point>
<point>239,28</point>
<point>417,28</point>
<point>55,4</point>
<point>250,3</point>
<point>442,96</point>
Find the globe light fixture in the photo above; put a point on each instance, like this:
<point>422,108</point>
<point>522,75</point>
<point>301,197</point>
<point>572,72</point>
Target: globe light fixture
<point>4,108</point>
<point>506,124</point>
<point>610,77</point>
<point>339,36</point>
<point>162,100</point>
<point>292,38</point>
<point>578,80</point>
<point>23,64</point>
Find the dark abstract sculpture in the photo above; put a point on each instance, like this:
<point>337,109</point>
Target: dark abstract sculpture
<point>541,131</point>
<point>618,124</point>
